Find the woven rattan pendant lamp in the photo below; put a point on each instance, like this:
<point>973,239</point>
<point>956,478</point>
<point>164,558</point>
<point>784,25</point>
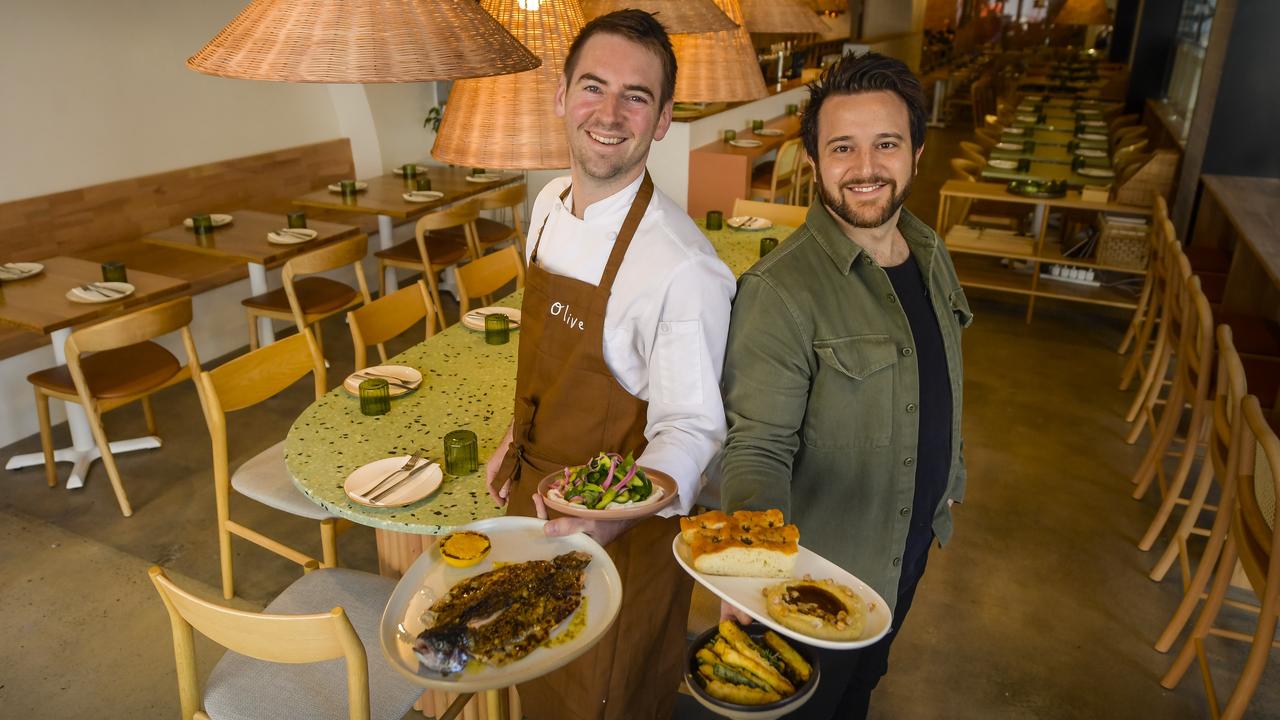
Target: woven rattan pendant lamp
<point>781,16</point>
<point>1083,12</point>
<point>677,16</point>
<point>718,66</point>
<point>362,41</point>
<point>509,121</point>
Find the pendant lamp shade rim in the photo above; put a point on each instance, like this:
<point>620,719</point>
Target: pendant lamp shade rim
<point>719,66</point>
<point>781,17</point>
<point>677,16</point>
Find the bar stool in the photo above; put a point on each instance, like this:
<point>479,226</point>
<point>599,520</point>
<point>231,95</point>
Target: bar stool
<point>430,252</point>
<point>491,233</point>
<point>307,300</point>
<point>774,180</point>
<point>125,366</point>
<point>1253,539</point>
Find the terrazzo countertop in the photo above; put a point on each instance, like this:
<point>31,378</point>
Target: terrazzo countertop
<point>740,249</point>
<point>467,384</point>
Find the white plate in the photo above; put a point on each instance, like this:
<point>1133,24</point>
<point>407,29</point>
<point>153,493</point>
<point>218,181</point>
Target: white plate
<point>75,294</point>
<point>1089,111</point>
<point>745,143</point>
<point>1015,131</point>
<point>291,236</point>
<point>484,178</point>
<point>1009,146</point>
<point>1091,153</point>
<point>1096,172</point>
<point>768,132</point>
<point>1093,123</point>
<point>515,539</point>
<point>1003,164</point>
<point>219,219</point>
<point>1028,118</point>
<point>748,222</point>
<point>366,477</point>
<point>360,186</point>
<point>474,320</point>
<point>1033,97</point>
<point>399,169</point>
<point>19,270</point>
<point>1092,136</point>
<point>405,375</point>
<point>745,593</point>
<point>422,195</point>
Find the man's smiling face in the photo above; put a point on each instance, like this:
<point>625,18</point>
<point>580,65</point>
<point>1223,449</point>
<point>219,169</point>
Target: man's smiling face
<point>611,106</point>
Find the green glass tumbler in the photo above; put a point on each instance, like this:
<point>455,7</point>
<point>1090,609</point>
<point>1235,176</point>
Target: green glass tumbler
<point>297,219</point>
<point>477,171</point>
<point>348,188</point>
<point>375,397</point>
<point>715,220</point>
<point>757,125</point>
<point>201,224</point>
<point>424,183</point>
<point>767,245</point>
<point>460,454</point>
<point>409,170</point>
<point>730,135</point>
<point>793,109</point>
<point>497,328</point>
<point>114,272</point>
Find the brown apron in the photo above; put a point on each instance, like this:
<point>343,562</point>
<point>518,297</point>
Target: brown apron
<point>569,407</point>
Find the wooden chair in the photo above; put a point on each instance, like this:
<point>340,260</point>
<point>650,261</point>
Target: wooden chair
<point>1127,135</point>
<point>774,180</point>
<point>993,123</point>
<point>1129,166</point>
<point>307,300</point>
<point>973,151</point>
<point>245,382</point>
<point>1121,121</point>
<point>1253,540</point>
<point>1121,157</point>
<point>276,668</point>
<point>986,139</point>
<point>491,233</point>
<point>970,171</point>
<point>802,187</point>
<point>789,215</point>
<point>1169,313</point>
<point>1143,317</point>
<point>485,276</point>
<point>430,252</point>
<point>389,316</point>
<point>125,366</point>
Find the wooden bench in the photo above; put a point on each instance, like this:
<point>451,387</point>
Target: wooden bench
<point>105,222</point>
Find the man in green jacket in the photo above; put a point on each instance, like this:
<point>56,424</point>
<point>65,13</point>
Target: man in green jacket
<point>843,371</point>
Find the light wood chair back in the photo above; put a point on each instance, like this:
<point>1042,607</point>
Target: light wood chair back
<point>973,151</point>
<point>802,182</point>
<point>463,215</point>
<point>272,638</point>
<point>330,257</point>
<point>782,178</point>
<point>135,327</point>
<point>241,383</point>
<point>389,316</point>
<point>481,278</point>
<point>1121,121</point>
<point>986,138</point>
<point>508,198</point>
<point>965,169</point>
<point>789,215</point>
<point>1122,156</point>
<point>1127,134</point>
<point>992,123</point>
<point>1149,300</point>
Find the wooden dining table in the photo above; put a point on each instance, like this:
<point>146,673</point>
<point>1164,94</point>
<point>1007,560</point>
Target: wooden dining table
<point>384,197</point>
<point>245,239</point>
<point>1043,171</point>
<point>1060,138</point>
<point>39,304</point>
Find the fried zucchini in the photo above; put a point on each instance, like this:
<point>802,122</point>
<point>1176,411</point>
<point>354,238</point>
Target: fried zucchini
<point>706,657</point>
<point>758,667</point>
<point>797,668</point>
<point>740,694</point>
<point>743,643</point>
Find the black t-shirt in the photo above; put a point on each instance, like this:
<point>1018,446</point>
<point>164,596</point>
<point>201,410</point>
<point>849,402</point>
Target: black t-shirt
<point>933,454</point>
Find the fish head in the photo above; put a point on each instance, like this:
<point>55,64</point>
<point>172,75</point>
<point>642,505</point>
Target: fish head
<point>442,652</point>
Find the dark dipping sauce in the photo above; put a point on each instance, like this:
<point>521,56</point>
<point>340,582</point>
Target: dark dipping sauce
<point>814,601</point>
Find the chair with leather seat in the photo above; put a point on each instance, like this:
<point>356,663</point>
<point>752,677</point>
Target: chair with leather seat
<point>431,252</point>
<point>275,665</point>
<point>789,215</point>
<point>483,277</point>
<point>973,151</point>
<point>241,383</point>
<point>307,300</point>
<point>774,180</point>
<point>388,317</point>
<point>125,366</point>
<point>491,233</point>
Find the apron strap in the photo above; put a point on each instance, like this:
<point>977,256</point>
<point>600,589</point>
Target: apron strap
<point>629,226</point>
<point>533,257</point>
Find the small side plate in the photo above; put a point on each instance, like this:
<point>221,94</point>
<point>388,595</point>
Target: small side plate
<point>90,297</point>
<point>219,219</point>
<point>366,477</point>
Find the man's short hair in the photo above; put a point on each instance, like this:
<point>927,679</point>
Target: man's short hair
<point>637,26</point>
<point>869,72</point>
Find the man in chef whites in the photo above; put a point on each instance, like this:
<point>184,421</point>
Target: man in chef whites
<point>626,310</point>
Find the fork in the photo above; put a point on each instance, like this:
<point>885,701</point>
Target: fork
<point>104,292</point>
<point>408,466</point>
<point>391,380</point>
<point>399,483</point>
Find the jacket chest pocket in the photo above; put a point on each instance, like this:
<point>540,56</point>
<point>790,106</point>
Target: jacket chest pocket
<point>851,404</point>
<point>960,308</point>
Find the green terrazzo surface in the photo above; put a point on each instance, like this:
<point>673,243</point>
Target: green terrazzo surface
<point>740,249</point>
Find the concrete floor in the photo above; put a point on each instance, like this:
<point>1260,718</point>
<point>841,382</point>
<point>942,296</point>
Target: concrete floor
<point>1039,608</point>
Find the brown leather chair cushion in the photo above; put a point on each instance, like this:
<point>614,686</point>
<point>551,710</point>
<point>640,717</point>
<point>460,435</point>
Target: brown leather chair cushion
<point>443,250</point>
<point>1208,259</point>
<point>121,372</point>
<point>489,232</point>
<point>315,295</point>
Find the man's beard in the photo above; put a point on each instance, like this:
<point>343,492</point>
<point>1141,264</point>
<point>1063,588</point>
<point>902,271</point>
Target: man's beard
<point>599,168</point>
<point>837,204</point>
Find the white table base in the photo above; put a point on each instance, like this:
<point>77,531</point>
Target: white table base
<point>385,241</point>
<point>83,450</point>
<point>939,97</point>
<point>258,286</point>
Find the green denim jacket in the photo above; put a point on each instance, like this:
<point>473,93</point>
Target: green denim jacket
<point>820,386</point>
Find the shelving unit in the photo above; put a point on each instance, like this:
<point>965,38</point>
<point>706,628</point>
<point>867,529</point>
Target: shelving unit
<point>1005,262</point>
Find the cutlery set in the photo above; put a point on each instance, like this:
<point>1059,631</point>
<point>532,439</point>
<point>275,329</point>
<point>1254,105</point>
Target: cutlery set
<point>416,463</point>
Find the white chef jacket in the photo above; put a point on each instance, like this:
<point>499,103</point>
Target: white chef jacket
<point>665,324</point>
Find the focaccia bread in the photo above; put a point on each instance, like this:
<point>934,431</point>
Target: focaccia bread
<point>747,544</point>
<point>823,609</point>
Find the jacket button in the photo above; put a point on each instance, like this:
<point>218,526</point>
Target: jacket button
<point>893,299</point>
<point>904,511</point>
<point>897,561</point>
<point>911,407</point>
<point>909,461</point>
<point>906,352</point>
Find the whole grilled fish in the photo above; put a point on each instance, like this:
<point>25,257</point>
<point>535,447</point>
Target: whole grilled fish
<point>502,615</point>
